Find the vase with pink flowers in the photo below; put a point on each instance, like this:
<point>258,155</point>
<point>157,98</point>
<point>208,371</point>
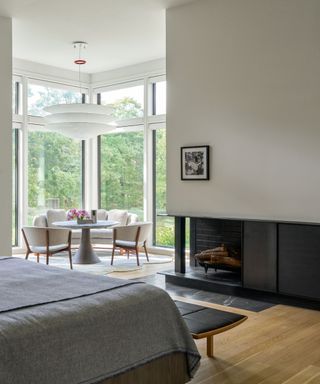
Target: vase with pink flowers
<point>80,215</point>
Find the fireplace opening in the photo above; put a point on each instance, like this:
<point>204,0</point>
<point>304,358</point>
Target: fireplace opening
<point>215,250</point>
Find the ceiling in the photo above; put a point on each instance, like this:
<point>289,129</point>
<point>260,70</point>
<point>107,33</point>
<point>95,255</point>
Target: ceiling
<point>118,32</point>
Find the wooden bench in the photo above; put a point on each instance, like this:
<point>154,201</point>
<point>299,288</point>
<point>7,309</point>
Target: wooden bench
<point>207,322</point>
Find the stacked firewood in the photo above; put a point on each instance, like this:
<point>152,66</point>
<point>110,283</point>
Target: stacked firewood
<point>219,256</point>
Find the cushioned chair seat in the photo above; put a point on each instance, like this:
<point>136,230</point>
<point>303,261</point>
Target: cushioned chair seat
<point>52,248</point>
<point>130,238</point>
<point>47,241</point>
<point>128,244</point>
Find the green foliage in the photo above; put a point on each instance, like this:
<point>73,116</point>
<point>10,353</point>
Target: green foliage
<point>160,171</point>
<point>54,170</point>
<point>165,236</point>
<point>127,108</point>
<point>40,97</point>
<point>122,171</point>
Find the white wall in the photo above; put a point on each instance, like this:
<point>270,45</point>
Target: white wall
<point>5,135</point>
<point>244,77</point>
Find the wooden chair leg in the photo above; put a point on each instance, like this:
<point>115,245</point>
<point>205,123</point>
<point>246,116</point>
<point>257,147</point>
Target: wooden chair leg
<point>128,254</point>
<point>27,255</point>
<point>47,259</point>
<point>145,251</point>
<point>137,254</point>
<point>210,345</point>
<point>112,256</point>
<point>38,255</point>
<point>70,258</point>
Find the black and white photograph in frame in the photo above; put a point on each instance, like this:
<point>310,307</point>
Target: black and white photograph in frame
<point>195,163</point>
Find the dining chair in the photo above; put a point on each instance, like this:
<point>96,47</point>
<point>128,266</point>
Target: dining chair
<point>47,241</point>
<point>131,238</point>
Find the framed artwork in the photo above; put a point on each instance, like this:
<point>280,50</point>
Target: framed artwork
<point>195,163</point>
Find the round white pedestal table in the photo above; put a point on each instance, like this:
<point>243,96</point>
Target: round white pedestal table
<point>85,253</point>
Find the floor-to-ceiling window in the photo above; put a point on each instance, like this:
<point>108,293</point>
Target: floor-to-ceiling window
<point>163,233</point>
<point>54,172</point>
<point>122,152</point>
<point>132,158</point>
<point>131,169</point>
<point>55,162</point>
<point>122,172</point>
<point>163,224</point>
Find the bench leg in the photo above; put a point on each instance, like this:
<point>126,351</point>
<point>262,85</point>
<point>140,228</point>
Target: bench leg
<point>210,346</point>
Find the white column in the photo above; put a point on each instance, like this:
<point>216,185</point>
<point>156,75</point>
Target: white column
<point>5,135</point>
<point>91,174</point>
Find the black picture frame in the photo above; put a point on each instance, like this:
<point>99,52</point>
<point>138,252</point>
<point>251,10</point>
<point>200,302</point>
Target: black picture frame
<point>195,163</point>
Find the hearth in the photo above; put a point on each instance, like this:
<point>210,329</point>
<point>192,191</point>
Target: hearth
<point>215,248</point>
<point>278,260</point>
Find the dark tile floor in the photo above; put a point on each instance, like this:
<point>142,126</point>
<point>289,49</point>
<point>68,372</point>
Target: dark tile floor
<point>210,297</point>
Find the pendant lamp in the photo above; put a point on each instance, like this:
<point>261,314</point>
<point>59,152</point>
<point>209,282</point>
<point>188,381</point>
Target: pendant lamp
<point>76,120</point>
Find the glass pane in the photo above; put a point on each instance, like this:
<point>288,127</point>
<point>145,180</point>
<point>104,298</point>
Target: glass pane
<point>164,231</point>
<point>54,172</point>
<point>40,96</point>
<point>14,184</point>
<point>161,98</point>
<point>122,172</point>
<point>127,102</point>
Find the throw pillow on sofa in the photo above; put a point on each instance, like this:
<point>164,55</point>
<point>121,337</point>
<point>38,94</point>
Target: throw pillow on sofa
<point>119,215</point>
<point>56,215</point>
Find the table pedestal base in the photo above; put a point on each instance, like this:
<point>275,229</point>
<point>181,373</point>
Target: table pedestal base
<point>85,254</point>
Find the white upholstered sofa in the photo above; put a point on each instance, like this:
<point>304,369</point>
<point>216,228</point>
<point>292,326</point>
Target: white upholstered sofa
<point>98,236</point>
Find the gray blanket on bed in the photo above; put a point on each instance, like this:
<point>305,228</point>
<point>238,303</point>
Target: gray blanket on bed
<point>105,327</point>
<point>53,284</point>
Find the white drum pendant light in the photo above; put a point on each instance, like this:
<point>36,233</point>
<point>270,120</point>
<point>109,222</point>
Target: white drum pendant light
<point>80,121</point>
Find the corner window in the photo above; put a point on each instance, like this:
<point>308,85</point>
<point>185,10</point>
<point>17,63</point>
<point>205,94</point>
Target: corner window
<point>54,172</point>
<point>121,172</point>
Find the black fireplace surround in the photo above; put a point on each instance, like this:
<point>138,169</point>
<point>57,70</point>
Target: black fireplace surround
<point>281,258</point>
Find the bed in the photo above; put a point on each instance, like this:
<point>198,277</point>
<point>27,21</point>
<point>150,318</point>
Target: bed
<point>64,327</point>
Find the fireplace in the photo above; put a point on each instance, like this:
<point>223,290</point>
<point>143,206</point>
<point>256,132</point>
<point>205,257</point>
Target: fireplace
<point>277,259</point>
<point>216,249</point>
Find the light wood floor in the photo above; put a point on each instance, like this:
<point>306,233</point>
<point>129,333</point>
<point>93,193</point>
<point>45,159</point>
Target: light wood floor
<point>280,345</point>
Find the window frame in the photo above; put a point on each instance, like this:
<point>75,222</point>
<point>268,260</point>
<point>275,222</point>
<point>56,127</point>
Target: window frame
<point>16,178</point>
<point>91,148</point>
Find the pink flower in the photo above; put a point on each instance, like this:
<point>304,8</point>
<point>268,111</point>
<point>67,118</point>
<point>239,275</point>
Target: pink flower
<point>75,213</point>
<point>72,214</point>
<point>83,214</point>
